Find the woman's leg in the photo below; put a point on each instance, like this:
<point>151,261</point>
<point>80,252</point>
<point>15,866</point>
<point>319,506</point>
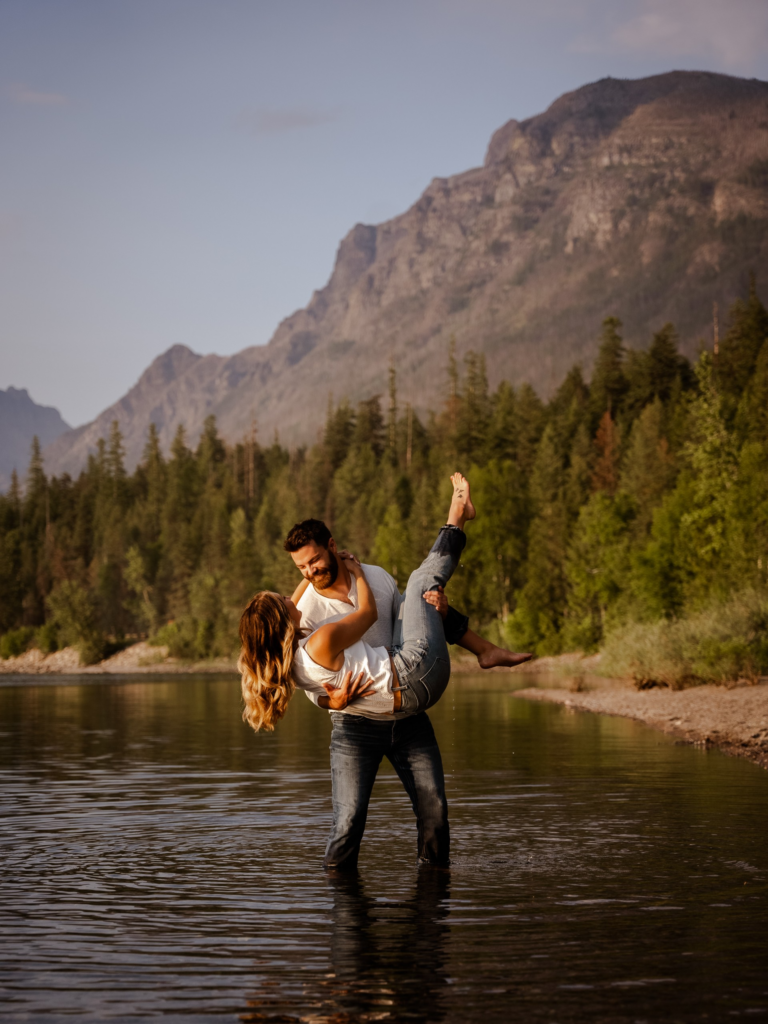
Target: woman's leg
<point>422,662</point>
<point>457,631</point>
<point>489,655</point>
<point>441,562</point>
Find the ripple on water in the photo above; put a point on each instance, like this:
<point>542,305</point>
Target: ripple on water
<point>158,859</point>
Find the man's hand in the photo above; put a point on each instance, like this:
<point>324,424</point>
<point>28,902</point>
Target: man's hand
<point>350,690</point>
<point>438,600</point>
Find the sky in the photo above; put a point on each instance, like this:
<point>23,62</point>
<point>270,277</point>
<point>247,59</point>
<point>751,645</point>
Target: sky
<point>182,171</point>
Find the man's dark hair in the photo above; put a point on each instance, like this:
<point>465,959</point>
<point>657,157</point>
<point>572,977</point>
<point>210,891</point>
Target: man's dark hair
<point>306,532</point>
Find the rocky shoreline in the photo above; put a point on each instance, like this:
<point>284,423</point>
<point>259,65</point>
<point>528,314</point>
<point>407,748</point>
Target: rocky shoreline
<point>138,659</point>
<point>732,718</point>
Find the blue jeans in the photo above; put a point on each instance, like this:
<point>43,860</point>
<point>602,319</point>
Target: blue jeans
<point>357,747</point>
<point>421,657</point>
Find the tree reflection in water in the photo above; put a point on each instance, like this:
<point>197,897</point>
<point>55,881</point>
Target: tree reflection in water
<point>388,960</point>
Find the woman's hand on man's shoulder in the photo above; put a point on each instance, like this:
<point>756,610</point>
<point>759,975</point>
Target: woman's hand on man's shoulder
<point>352,563</point>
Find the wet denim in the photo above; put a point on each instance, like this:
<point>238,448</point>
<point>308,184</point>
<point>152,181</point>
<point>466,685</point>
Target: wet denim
<point>421,656</point>
<point>357,747</point>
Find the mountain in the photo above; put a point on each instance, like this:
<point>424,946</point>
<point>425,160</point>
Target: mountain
<point>647,200</point>
<point>20,420</point>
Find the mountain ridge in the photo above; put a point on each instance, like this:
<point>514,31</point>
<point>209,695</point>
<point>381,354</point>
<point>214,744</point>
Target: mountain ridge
<point>21,419</point>
<point>646,199</point>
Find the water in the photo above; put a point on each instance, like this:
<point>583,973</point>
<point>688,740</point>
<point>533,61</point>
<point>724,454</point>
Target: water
<point>160,860</point>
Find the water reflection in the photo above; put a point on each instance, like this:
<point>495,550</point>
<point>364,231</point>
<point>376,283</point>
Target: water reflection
<point>161,860</point>
<point>387,957</point>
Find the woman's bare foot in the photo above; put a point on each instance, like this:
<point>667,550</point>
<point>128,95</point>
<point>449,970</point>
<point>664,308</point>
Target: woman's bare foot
<point>489,655</point>
<point>462,509</point>
<point>497,657</point>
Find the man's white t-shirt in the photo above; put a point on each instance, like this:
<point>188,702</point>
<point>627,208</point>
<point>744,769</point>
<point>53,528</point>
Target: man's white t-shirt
<point>317,610</point>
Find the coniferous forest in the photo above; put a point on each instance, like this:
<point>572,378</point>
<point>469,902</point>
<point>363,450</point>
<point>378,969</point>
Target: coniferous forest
<point>628,514</point>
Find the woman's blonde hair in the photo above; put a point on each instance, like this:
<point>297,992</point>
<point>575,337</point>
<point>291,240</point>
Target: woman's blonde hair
<point>268,637</point>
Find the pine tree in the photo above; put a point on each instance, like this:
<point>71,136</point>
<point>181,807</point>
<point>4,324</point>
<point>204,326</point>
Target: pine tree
<point>530,420</point>
<point>637,371</point>
<point>538,617</point>
<point>681,518</point>
<point>605,475</point>
<point>491,566</point>
<point>648,469</point>
<point>609,384</point>
<point>502,428</point>
<point>713,457</point>
<point>449,421</point>
<point>568,410</point>
<point>665,364</point>
<point>392,546</point>
<point>392,415</point>
<point>338,434</point>
<point>154,472</point>
<point>369,426</point>
<point>115,457</point>
<point>473,412</point>
<point>14,499</point>
<point>740,348</point>
<point>597,568</point>
<point>752,416</point>
<point>211,453</point>
<point>181,540</point>
<point>36,480</point>
<point>12,583</point>
<point>579,474</point>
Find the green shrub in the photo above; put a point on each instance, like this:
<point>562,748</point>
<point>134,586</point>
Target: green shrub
<point>193,639</point>
<point>185,638</point>
<point>725,642</point>
<point>47,638</point>
<point>74,613</point>
<point>16,642</point>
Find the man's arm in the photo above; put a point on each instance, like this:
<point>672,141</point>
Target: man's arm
<point>344,695</point>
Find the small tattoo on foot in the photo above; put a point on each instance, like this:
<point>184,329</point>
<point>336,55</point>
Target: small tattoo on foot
<point>461,501</point>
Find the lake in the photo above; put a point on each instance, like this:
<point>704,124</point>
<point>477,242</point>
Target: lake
<point>161,860</point>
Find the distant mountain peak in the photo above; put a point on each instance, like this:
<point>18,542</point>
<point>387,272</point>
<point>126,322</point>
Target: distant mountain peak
<point>644,199</point>
<point>20,420</point>
<point>169,365</point>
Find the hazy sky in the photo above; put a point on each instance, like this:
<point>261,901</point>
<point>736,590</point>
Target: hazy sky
<point>182,171</point>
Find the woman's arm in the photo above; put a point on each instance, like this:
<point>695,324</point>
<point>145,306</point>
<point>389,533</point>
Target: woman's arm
<point>327,644</point>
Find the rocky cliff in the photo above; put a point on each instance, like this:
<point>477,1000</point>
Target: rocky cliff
<point>644,199</point>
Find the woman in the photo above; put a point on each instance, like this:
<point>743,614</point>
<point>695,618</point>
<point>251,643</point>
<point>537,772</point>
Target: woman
<point>334,663</point>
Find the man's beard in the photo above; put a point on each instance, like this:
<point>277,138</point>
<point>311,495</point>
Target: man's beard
<point>326,577</point>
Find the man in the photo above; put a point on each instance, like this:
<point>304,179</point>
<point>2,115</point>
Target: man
<point>359,740</point>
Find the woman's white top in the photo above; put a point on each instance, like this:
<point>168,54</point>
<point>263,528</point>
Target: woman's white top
<point>373,661</point>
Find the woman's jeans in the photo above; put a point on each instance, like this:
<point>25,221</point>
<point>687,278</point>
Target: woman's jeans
<point>421,657</point>
<point>357,747</point>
